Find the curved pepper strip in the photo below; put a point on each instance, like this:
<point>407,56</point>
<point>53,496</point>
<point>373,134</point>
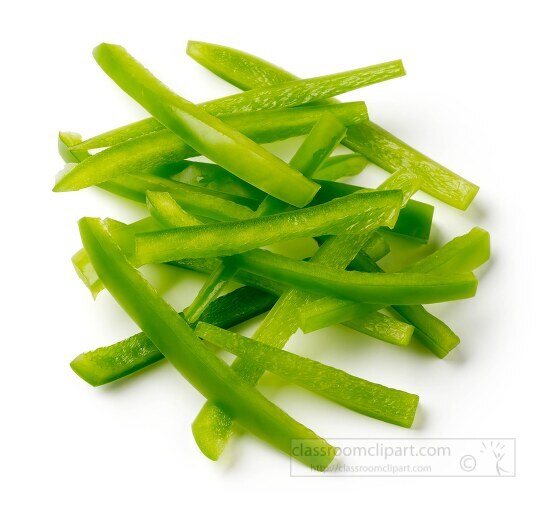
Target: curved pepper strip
<point>205,371</point>
<point>161,152</point>
<point>463,253</point>
<point>273,96</point>
<point>205,133</point>
<point>379,146</point>
<point>404,288</point>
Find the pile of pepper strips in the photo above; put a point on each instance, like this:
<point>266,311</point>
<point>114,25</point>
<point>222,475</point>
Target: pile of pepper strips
<point>217,218</point>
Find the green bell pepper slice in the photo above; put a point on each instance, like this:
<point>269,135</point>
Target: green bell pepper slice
<point>353,214</point>
<point>463,253</point>
<point>126,357</point>
<point>176,340</point>
<point>403,288</point>
<point>374,400</point>
<point>164,151</point>
<point>273,96</point>
<point>262,126</point>
<point>205,133</point>
<point>379,146</point>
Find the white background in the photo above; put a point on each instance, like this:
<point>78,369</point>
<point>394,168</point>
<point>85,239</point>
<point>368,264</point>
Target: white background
<point>475,98</point>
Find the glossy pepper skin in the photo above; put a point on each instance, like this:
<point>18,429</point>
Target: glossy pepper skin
<point>353,214</point>
<point>260,125</point>
<point>379,146</point>
<point>205,133</point>
<point>177,342</point>
<point>126,357</point>
<point>374,400</point>
<point>463,253</point>
<point>163,152</point>
<point>404,288</point>
<point>272,96</point>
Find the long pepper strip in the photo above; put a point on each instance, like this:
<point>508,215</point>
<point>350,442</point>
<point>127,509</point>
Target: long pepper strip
<point>461,254</point>
<point>164,150</point>
<point>374,400</point>
<point>261,126</point>
<point>353,214</point>
<point>176,340</point>
<point>205,133</point>
<point>272,96</point>
<point>379,146</point>
<point>404,288</point>
<point>172,215</point>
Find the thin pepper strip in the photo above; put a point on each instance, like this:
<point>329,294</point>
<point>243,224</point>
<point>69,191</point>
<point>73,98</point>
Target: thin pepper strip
<point>262,126</point>
<point>318,145</point>
<point>404,288</point>
<point>352,214</point>
<point>462,254</point>
<point>164,150</point>
<point>272,96</point>
<point>205,133</point>
<point>374,400</point>
<point>375,248</point>
<point>197,200</point>
<point>176,340</point>
<point>379,146</point>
